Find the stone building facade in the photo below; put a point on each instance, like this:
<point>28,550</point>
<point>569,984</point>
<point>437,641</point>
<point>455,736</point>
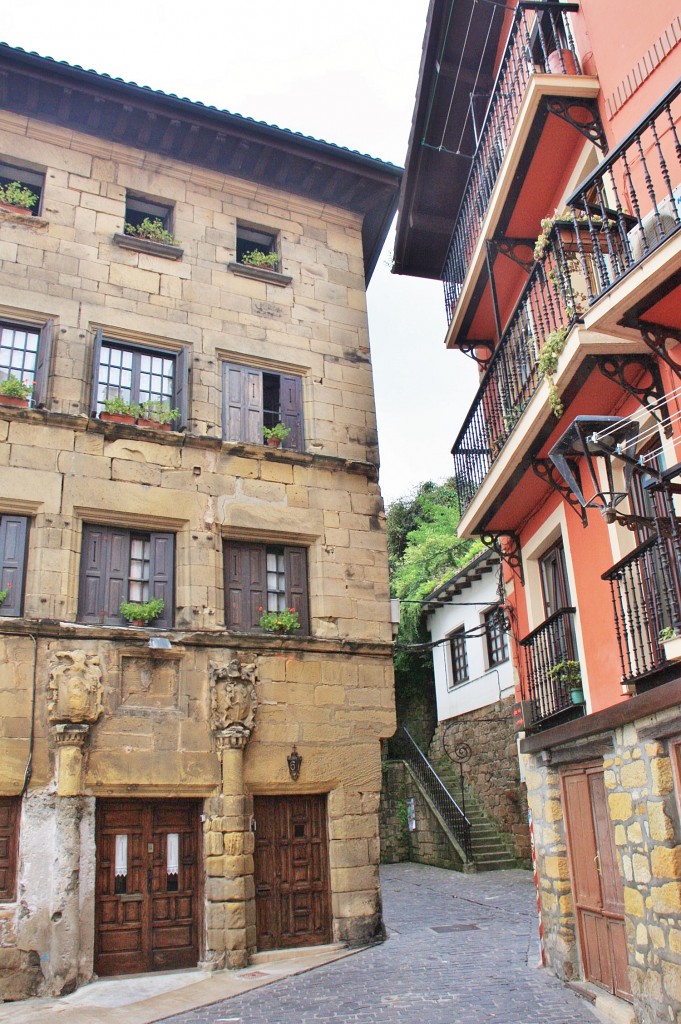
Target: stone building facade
<point>154,810</point>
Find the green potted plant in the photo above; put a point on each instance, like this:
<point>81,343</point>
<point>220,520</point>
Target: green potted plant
<point>260,259</point>
<point>156,413</point>
<point>17,198</point>
<point>151,229</point>
<point>670,640</point>
<point>276,434</point>
<point>141,613</point>
<point>4,594</point>
<point>286,621</point>
<point>568,674</point>
<point>15,392</point>
<point>117,410</point>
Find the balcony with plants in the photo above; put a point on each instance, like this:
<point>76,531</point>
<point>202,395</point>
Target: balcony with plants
<point>539,79</point>
<point>552,683</point>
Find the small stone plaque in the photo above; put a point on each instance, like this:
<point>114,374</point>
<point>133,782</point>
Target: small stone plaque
<point>150,682</point>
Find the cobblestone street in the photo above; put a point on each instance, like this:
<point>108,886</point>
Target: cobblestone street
<point>462,949</point>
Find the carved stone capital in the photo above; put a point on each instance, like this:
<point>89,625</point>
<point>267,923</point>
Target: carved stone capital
<point>233,700</point>
<point>69,735</point>
<point>75,687</point>
<point>233,738</point>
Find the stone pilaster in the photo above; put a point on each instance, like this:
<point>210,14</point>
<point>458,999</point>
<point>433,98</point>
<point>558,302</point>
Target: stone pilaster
<point>70,741</point>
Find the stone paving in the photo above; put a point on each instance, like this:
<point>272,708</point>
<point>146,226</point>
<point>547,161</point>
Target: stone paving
<point>462,949</point>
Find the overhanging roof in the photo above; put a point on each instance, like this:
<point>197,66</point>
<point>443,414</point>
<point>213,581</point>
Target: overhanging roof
<point>458,57</point>
<point>482,564</point>
<point>192,132</point>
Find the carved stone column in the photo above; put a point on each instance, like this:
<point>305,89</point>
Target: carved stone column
<point>74,702</point>
<point>229,842</point>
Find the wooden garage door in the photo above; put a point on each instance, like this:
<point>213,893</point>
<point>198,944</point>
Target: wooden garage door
<point>147,885</point>
<point>293,906</point>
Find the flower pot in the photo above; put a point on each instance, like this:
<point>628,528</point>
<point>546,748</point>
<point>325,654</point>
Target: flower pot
<point>273,442</point>
<point>141,422</point>
<point>672,648</point>
<point>21,210</point>
<point>137,622</point>
<point>577,695</point>
<point>116,417</point>
<point>561,62</point>
<point>21,403</point>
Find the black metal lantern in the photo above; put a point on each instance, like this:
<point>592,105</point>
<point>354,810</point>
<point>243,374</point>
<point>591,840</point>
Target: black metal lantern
<point>592,438</point>
<point>294,760</point>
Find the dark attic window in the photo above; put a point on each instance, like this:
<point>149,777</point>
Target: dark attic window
<point>248,239</point>
<point>137,209</point>
<point>27,179</point>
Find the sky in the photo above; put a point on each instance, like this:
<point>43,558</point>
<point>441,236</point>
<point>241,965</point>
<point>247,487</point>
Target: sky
<point>345,73</point>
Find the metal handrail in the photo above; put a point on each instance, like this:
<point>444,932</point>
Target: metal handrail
<point>443,800</point>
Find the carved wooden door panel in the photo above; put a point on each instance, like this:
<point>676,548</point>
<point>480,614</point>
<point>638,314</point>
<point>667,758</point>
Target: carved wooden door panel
<point>597,885</point>
<point>147,881</point>
<point>293,906</point>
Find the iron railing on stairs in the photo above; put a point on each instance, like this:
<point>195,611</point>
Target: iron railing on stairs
<point>405,747</point>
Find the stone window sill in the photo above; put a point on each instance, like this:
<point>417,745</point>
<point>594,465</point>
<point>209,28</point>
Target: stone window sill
<point>258,274</point>
<point>8,217</point>
<point>162,249</point>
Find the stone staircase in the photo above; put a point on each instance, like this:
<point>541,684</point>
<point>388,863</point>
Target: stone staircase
<point>490,848</point>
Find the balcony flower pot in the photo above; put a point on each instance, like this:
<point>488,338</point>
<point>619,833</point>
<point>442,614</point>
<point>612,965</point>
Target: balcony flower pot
<point>21,210</point>
<point>273,442</point>
<point>142,422</point>
<point>21,403</point>
<point>672,648</point>
<point>577,695</point>
<point>116,417</point>
<point>558,60</point>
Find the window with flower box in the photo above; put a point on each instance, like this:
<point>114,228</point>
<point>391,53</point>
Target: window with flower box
<point>254,398</point>
<point>264,577</point>
<point>25,353</point>
<point>137,373</point>
<point>33,180</point>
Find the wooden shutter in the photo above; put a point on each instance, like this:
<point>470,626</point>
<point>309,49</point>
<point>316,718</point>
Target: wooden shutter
<point>9,837</point>
<point>296,584</point>
<point>245,585</point>
<point>104,569</point>
<point>96,355</point>
<point>161,575</point>
<point>13,532</point>
<point>182,387</point>
<point>242,404</point>
<point>291,400</point>
<point>42,368</point>
<point>117,574</point>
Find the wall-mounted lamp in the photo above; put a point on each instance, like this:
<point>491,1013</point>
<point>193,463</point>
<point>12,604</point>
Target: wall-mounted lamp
<point>592,438</point>
<point>294,760</point>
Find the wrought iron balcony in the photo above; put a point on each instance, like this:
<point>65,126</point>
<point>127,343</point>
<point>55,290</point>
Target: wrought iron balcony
<point>645,597</point>
<point>631,203</point>
<point>529,50</point>
<point>552,671</point>
<point>549,303</point>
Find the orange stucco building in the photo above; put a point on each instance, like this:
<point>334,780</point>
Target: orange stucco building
<point>543,186</point>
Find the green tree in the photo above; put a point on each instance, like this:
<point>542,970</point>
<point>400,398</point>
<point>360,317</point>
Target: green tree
<point>424,551</point>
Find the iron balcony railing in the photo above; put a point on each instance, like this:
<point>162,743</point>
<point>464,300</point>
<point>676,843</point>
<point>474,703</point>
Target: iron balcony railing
<point>631,203</point>
<point>551,669</point>
<point>549,303</point>
<point>406,748</point>
<point>535,45</point>
<point>645,597</point>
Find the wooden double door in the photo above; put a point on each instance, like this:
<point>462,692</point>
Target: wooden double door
<point>147,885</point>
<point>597,885</point>
<point>293,902</point>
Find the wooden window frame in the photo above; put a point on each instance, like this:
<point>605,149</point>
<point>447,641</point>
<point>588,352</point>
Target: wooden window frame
<point>180,395</point>
<point>245,583</point>
<point>458,655</point>
<point>495,638</point>
<point>554,555</point>
<point>110,586</point>
<point>13,532</point>
<point>10,818</point>
<point>35,180</point>
<point>243,405</point>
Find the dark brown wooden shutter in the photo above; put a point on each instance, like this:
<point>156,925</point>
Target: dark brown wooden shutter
<point>242,404</point>
<point>296,584</point>
<point>104,569</point>
<point>13,533</point>
<point>96,355</point>
<point>245,585</point>
<point>161,575</point>
<point>182,387</point>
<point>9,841</point>
<point>42,368</point>
<point>291,400</point>
<point>117,574</point>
